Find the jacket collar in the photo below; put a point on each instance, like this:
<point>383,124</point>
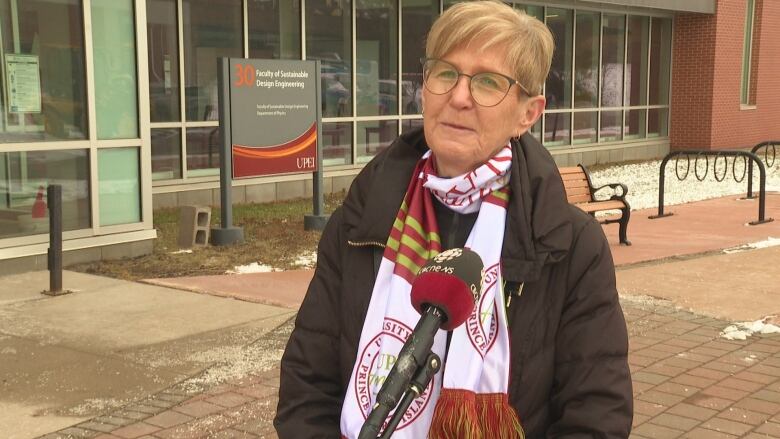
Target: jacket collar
<point>538,229</point>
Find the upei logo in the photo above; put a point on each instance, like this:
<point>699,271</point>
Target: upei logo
<point>374,365</point>
<point>448,255</point>
<point>482,324</point>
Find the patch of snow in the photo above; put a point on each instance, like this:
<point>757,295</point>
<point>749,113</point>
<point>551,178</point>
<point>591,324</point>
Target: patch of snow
<point>230,363</point>
<point>642,180</point>
<point>254,267</point>
<point>769,242</point>
<point>743,330</point>
<point>306,260</point>
<point>182,251</point>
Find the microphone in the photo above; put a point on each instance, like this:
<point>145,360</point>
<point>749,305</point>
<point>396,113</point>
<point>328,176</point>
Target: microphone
<point>444,293</point>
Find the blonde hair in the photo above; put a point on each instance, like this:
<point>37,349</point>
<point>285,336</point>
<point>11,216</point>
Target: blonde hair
<point>528,41</point>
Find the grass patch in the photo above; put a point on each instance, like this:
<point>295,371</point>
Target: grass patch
<point>273,234</point>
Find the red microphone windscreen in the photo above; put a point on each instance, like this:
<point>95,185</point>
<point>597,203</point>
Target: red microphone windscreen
<point>452,282</point>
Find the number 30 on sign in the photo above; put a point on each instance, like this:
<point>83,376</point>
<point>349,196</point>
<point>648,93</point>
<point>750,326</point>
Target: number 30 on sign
<point>245,76</point>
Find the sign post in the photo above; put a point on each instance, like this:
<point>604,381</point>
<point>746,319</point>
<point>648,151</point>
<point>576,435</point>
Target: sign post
<point>270,116</point>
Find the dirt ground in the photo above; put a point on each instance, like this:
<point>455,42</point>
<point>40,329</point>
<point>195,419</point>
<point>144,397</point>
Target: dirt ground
<point>273,234</point>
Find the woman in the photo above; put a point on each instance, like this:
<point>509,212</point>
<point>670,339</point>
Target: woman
<point>545,352</point>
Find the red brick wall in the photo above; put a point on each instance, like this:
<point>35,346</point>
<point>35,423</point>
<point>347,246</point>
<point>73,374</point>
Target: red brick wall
<point>707,73</point>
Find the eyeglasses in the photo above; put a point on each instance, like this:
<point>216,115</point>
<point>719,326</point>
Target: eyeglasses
<point>487,88</point>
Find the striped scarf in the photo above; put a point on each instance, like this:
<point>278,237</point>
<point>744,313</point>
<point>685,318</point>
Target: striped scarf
<point>467,398</point>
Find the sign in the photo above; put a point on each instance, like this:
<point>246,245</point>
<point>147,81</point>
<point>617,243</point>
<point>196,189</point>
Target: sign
<point>24,83</point>
<point>274,116</point>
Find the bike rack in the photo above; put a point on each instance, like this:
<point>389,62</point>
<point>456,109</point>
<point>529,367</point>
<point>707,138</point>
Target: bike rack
<point>770,145</point>
<point>725,154</point>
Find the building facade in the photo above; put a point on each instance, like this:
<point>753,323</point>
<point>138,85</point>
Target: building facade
<point>116,99</point>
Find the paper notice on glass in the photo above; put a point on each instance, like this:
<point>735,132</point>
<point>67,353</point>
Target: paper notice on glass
<point>24,83</point>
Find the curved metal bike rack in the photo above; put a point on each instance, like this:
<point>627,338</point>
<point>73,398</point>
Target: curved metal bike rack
<point>747,170</point>
<point>768,146</point>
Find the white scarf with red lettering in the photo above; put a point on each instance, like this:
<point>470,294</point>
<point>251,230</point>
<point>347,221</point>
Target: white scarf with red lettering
<point>468,396</point>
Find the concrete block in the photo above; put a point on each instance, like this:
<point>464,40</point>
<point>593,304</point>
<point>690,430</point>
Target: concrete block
<point>238,195</point>
<point>22,265</point>
<point>561,160</point>
<point>616,155</point>
<point>194,226</point>
<point>342,183</point>
<point>587,158</point>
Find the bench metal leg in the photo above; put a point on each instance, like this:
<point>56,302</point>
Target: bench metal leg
<point>624,226</point>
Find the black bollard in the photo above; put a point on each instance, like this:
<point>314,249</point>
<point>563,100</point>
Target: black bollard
<point>54,201</point>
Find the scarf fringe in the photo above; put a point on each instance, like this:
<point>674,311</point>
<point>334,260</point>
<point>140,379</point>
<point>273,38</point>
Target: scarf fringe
<point>464,414</point>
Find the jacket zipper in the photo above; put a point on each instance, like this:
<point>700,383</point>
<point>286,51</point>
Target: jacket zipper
<point>365,244</point>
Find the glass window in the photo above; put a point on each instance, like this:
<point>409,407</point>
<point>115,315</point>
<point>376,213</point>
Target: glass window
<point>329,39</point>
<point>658,122</point>
<point>536,130</point>
<point>636,63</point>
<point>373,137</point>
<point>274,29</point>
<point>534,11</point>
<point>119,185</point>
<point>203,151</point>
<point>635,124</point>
<point>377,57</point>
<point>585,127</point>
<point>166,153</point>
<point>337,143</point>
<point>161,36</point>
<point>747,51</point>
<point>586,76</point>
<point>116,83</point>
<point>556,129</point>
<point>660,60</point>
<point>410,124</point>
<point>212,29</point>
<point>417,17</point>
<point>611,126</point>
<point>43,93</point>
<point>558,87</point>
<point>25,177</point>
<point>613,49</point>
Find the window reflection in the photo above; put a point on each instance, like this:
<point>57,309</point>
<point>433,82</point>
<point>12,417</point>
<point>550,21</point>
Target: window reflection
<point>586,76</point>
<point>161,35</point>
<point>212,29</point>
<point>203,151</point>
<point>635,124</point>
<point>611,126</point>
<point>612,54</point>
<point>556,128</point>
<point>24,177</point>
<point>636,63</point>
<point>373,137</point>
<point>660,60</point>
<point>558,91</point>
<point>658,122</point>
<point>43,46</point>
<point>377,57</point>
<point>585,127</point>
<point>337,143</point>
<point>417,19</point>
<point>329,39</point>
<point>274,29</point>
<point>166,153</point>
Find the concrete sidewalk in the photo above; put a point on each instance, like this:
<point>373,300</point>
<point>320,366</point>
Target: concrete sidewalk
<point>678,291</point>
<point>66,359</point>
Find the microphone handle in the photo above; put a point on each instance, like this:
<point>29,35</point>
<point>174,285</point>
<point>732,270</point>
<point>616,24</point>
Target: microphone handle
<point>413,355</point>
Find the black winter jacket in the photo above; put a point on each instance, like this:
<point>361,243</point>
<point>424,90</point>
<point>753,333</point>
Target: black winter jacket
<point>569,376</point>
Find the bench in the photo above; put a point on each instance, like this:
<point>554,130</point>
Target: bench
<point>581,193</point>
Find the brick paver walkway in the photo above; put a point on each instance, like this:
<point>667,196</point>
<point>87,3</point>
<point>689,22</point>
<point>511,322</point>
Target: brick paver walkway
<point>688,383</point>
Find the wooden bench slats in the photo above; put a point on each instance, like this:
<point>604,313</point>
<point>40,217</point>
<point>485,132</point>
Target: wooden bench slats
<point>601,205</point>
<point>577,199</point>
<point>579,192</point>
<point>570,192</point>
